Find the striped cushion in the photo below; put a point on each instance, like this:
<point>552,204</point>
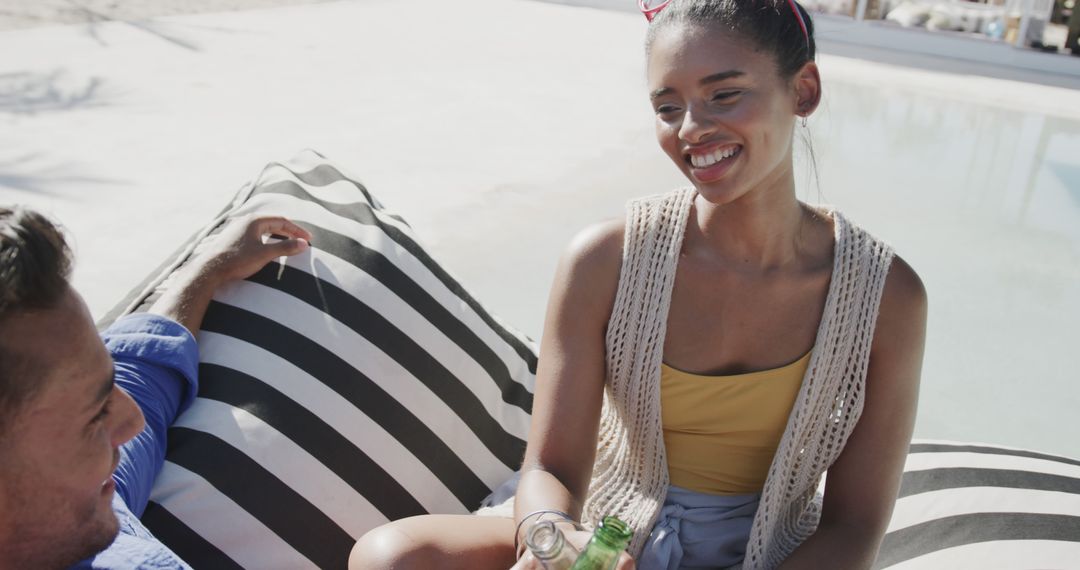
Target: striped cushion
<point>353,385</point>
<point>979,506</point>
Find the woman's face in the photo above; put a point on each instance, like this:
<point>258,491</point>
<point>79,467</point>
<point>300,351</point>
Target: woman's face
<point>723,113</point>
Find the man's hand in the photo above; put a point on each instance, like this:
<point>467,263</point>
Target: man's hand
<point>240,250</point>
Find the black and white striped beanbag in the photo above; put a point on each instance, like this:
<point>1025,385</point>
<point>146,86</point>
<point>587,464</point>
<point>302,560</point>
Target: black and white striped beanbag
<point>983,507</point>
<point>355,384</point>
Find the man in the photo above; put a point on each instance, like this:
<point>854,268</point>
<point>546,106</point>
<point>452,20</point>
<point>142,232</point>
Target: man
<point>77,458</point>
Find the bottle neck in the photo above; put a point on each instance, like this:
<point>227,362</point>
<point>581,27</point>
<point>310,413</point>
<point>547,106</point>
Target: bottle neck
<point>545,540</point>
<point>613,533</point>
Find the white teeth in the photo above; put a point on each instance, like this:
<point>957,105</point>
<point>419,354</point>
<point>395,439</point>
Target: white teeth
<point>702,161</point>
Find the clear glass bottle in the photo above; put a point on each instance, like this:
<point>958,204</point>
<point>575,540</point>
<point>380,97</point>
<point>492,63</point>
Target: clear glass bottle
<point>608,541</point>
<point>549,546</point>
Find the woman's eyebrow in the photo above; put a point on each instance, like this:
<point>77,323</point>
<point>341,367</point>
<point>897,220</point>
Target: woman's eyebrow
<point>660,92</point>
<point>720,76</point>
<point>704,81</point>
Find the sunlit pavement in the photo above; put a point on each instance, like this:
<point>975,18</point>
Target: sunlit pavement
<point>498,128</point>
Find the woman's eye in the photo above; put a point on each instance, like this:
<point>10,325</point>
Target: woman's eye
<point>724,95</point>
<point>666,109</point>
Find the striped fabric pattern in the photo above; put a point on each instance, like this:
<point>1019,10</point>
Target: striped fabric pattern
<point>352,385</point>
<point>981,507</point>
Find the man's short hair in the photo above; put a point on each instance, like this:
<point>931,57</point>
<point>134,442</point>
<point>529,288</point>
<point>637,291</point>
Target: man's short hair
<point>35,263</point>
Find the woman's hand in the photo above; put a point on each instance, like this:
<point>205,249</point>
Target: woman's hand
<point>578,538</point>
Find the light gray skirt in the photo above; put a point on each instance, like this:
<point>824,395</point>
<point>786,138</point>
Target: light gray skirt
<point>699,530</point>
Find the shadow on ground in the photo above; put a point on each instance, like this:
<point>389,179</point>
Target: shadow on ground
<point>37,174</point>
<point>32,92</point>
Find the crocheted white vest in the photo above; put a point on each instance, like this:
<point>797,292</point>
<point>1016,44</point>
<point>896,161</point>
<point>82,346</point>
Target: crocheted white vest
<point>630,475</point>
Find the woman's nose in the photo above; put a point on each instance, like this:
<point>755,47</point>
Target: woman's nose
<point>696,126</point>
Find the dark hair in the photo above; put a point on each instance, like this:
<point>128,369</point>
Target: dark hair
<point>771,25</point>
<point>35,262</point>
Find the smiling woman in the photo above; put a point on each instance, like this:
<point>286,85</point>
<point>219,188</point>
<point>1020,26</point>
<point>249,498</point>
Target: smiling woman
<point>673,334</point>
<point>728,80</point>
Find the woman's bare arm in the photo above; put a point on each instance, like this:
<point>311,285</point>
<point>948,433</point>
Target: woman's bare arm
<point>570,375</point>
<point>863,482</point>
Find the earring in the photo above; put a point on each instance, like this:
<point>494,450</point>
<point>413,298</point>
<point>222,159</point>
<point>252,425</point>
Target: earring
<point>803,122</point>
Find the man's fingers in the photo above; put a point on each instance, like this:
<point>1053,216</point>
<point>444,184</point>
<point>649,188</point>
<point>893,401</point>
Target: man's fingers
<point>287,247</point>
<point>280,226</point>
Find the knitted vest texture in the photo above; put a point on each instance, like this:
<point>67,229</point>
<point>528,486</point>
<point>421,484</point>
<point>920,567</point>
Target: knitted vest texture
<point>630,474</point>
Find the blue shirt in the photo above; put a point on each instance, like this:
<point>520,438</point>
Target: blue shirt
<point>157,363</point>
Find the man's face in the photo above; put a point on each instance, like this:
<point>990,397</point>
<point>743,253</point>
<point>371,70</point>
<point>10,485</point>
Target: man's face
<point>59,449</point>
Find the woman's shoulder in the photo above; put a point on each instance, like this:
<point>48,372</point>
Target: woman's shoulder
<point>903,282</point>
<point>596,252</point>
<point>588,277</point>
<point>597,249</point>
<point>904,290</point>
<point>902,313</point>
<point>874,255</point>
<point>903,300</point>
<point>902,287</point>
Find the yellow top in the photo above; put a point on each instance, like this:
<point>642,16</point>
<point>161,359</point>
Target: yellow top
<point>721,432</point>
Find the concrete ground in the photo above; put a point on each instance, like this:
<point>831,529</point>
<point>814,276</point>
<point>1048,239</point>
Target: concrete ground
<point>22,14</point>
<point>501,127</point>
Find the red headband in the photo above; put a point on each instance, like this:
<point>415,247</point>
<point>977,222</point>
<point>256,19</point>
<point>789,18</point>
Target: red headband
<point>802,23</point>
<point>651,12</point>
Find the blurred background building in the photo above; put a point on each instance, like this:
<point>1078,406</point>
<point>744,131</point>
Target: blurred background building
<point>1050,26</point>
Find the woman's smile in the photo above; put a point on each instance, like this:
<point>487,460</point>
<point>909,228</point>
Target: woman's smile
<point>712,163</point>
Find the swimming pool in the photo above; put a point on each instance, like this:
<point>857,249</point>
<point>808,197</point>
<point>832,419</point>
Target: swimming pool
<point>983,199</point>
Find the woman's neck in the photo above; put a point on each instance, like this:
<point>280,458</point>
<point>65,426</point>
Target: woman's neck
<point>761,230</point>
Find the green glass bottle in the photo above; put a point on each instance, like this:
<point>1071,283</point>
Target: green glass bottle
<point>608,541</point>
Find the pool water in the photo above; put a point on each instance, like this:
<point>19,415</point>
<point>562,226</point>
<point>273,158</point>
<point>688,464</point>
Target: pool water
<point>984,202</point>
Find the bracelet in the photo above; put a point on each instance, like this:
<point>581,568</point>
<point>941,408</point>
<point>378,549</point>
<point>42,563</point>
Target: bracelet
<point>541,512</point>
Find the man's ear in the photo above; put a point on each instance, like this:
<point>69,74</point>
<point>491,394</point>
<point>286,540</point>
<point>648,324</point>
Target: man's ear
<point>807,83</point>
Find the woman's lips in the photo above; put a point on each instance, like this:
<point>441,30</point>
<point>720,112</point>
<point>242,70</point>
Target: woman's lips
<point>706,156</point>
<point>711,166</point>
